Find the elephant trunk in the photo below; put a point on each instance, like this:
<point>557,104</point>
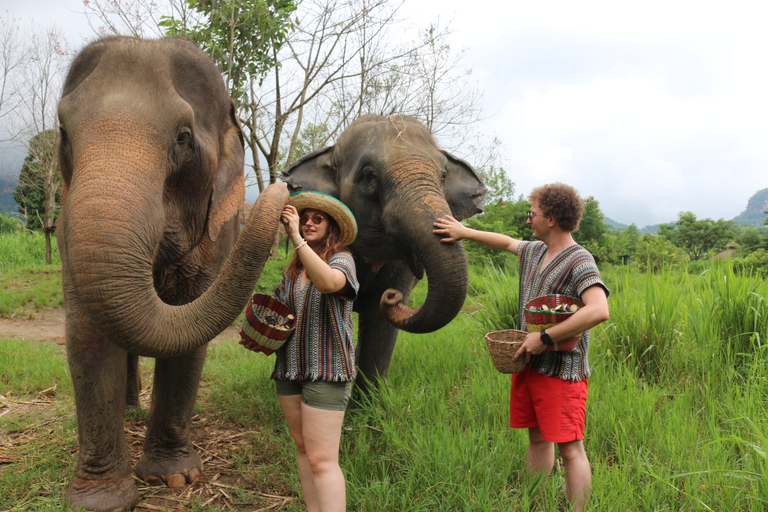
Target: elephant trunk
<point>109,252</point>
<point>444,264</point>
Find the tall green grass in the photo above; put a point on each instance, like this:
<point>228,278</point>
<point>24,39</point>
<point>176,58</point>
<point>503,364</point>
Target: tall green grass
<point>734,310</point>
<point>497,294</point>
<point>27,284</point>
<point>24,291</point>
<point>24,248</point>
<point>646,321</point>
<point>677,416</point>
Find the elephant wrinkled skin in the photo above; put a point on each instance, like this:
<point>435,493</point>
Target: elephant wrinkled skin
<point>396,181</point>
<point>153,261</point>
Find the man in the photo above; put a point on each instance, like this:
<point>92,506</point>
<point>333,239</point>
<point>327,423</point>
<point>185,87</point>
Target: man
<point>549,396</point>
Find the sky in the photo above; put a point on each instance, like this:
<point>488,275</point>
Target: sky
<point>653,108</point>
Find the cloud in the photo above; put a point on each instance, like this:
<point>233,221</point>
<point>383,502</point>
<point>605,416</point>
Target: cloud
<point>653,108</point>
<point>633,142</point>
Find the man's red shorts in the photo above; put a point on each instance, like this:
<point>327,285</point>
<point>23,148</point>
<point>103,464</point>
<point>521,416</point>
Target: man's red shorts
<point>558,407</point>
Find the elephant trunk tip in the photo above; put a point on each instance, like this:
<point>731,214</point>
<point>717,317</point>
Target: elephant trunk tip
<point>401,316</point>
<point>390,298</point>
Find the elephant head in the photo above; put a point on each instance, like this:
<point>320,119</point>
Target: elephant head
<point>152,158</point>
<point>396,181</point>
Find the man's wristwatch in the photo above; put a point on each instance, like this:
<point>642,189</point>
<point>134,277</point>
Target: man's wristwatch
<point>546,339</point>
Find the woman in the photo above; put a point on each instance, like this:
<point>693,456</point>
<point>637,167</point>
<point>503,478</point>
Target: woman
<point>314,371</point>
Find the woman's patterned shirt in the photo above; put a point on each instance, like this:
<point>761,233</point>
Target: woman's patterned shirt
<point>323,345</point>
<point>570,273</point>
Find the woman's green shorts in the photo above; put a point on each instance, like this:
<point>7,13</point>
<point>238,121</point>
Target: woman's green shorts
<point>320,394</point>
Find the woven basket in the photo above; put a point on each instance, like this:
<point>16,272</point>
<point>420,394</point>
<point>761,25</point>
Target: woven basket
<point>540,319</point>
<point>502,346</point>
<point>262,315</point>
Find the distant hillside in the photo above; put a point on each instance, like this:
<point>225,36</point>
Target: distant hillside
<point>618,226</point>
<point>612,224</point>
<point>7,204</point>
<point>756,205</point>
<point>752,216</point>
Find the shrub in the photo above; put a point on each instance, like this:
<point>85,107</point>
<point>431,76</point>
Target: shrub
<point>753,263</point>
<point>8,224</point>
<point>655,253</point>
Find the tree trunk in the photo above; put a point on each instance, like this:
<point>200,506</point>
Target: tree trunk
<point>48,255</point>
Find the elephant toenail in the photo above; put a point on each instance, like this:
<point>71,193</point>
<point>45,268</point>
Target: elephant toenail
<point>154,480</point>
<point>194,474</point>
<point>176,480</point>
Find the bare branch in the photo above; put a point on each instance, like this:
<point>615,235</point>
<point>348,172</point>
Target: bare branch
<point>137,18</point>
<point>13,57</point>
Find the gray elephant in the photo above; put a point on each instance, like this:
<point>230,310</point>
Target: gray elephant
<point>396,181</point>
<point>152,158</point>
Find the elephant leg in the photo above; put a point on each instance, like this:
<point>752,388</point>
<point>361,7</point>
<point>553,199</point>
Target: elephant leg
<point>168,454</point>
<point>376,336</point>
<point>103,476</point>
<point>133,386</point>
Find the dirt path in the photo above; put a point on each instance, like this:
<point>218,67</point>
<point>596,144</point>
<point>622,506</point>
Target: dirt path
<point>49,326</point>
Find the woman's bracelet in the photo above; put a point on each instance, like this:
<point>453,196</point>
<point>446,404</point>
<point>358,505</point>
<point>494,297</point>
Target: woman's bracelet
<point>300,245</point>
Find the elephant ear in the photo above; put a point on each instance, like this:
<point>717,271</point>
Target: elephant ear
<point>313,171</point>
<point>464,190</point>
<point>229,186</point>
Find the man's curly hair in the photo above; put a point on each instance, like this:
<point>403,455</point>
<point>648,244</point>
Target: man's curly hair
<point>562,201</point>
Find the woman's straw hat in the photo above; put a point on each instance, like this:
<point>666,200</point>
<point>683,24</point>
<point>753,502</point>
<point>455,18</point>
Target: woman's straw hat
<point>330,205</point>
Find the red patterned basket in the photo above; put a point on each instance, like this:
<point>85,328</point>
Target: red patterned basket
<point>267,324</point>
<point>544,312</point>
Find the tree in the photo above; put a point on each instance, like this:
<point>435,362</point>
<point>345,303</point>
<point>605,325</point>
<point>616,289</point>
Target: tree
<point>498,185</point>
<point>137,18</point>
<point>430,84</point>
<point>592,231</point>
<point>655,253</point>
<point>337,61</point>
<point>39,191</point>
<point>751,238</point>
<point>325,60</point>
<point>13,58</point>
<point>626,244</point>
<point>506,217</point>
<point>591,228</point>
<point>340,62</point>
<point>698,237</point>
<point>239,35</point>
<point>312,138</point>
<point>39,81</point>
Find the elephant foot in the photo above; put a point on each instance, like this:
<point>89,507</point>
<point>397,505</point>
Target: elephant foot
<point>103,495</point>
<point>173,471</point>
<point>131,401</point>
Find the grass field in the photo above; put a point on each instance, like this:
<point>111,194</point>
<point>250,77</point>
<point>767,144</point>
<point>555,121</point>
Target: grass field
<point>677,417</point>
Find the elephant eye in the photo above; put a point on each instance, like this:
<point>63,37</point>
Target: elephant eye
<point>63,134</point>
<point>184,138</point>
<point>444,176</point>
<point>368,181</point>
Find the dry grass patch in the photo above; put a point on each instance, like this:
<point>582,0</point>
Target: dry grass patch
<point>240,468</point>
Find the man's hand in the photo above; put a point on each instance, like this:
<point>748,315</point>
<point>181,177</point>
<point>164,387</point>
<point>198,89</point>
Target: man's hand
<point>453,229</point>
<point>531,346</point>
